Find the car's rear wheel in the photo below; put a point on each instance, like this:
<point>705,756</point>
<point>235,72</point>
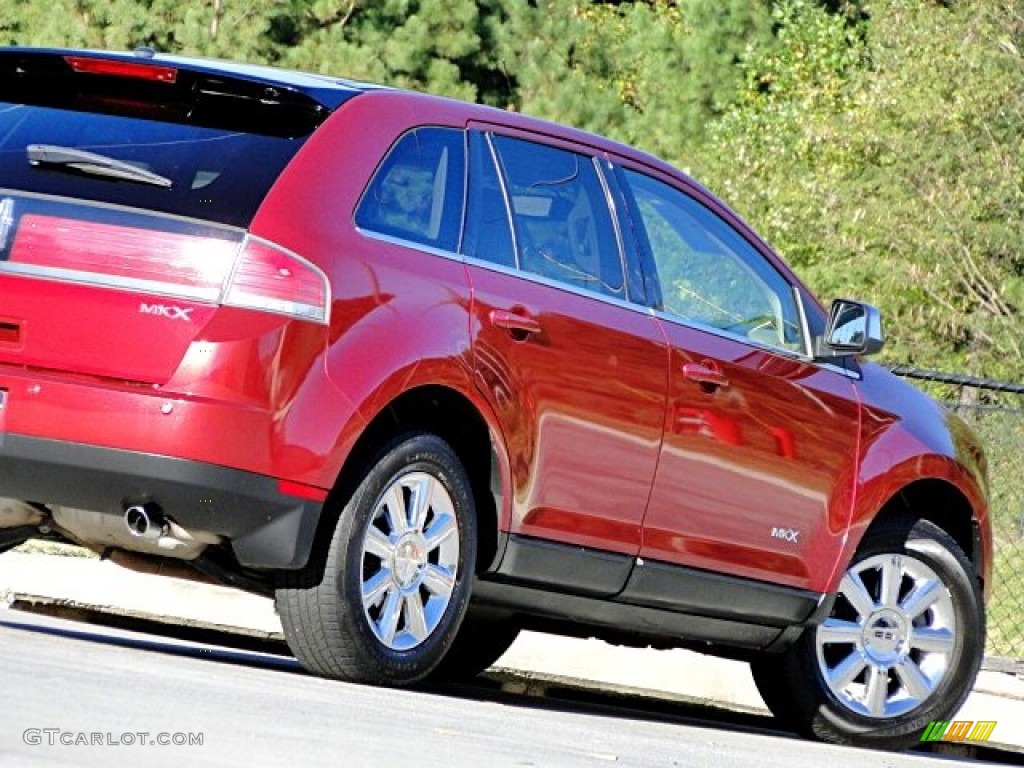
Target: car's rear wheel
<point>481,642</point>
<point>383,602</point>
<point>901,647</point>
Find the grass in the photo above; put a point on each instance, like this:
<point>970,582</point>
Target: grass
<point>1002,434</point>
<point>41,547</point>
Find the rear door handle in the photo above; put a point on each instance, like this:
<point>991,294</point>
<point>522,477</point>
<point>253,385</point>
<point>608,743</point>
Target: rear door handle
<point>514,321</point>
<point>705,376</point>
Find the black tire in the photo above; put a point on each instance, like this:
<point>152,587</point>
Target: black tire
<point>770,679</point>
<point>481,642</point>
<point>793,684</point>
<point>328,627</point>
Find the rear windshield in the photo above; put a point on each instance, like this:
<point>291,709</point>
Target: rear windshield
<point>221,144</point>
<point>217,175</point>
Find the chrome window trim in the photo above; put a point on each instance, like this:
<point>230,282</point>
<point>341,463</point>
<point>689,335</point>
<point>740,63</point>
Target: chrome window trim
<point>722,333</point>
<point>788,354</point>
<point>642,309</point>
<point>506,270</point>
<point>412,244</point>
<point>465,187</point>
<point>499,171</point>
<point>609,202</point>
<point>532,277</point>
<point>806,356</point>
<point>805,327</point>
<point>113,282</point>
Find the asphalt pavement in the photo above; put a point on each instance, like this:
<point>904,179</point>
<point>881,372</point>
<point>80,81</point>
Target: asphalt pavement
<point>86,695</point>
<point>536,659</point>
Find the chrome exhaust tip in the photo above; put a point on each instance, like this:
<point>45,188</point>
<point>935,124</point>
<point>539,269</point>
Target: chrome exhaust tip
<point>144,521</point>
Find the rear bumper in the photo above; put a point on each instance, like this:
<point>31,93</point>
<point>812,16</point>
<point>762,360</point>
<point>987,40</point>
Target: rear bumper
<point>266,528</point>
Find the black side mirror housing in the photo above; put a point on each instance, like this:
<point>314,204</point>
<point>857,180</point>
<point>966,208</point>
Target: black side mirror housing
<point>854,328</point>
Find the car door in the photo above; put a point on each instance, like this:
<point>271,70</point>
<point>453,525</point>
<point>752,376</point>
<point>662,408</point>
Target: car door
<point>756,473</point>
<point>575,371</point>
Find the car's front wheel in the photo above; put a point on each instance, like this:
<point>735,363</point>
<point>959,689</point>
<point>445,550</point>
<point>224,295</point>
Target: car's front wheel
<point>901,647</point>
<point>383,602</point>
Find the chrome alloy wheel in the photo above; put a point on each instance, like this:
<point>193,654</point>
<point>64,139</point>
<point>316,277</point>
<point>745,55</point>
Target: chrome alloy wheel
<point>410,557</point>
<point>888,643</point>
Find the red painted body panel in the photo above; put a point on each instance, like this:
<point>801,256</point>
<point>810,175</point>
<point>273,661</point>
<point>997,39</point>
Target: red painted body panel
<point>399,316</point>
<point>245,380</point>
<point>581,405</point>
<point>907,437</point>
<point>300,404</point>
<point>577,411</point>
<point>77,338</point>
<point>775,449</point>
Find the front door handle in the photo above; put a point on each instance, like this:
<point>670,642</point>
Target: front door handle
<point>517,322</point>
<point>707,377</point>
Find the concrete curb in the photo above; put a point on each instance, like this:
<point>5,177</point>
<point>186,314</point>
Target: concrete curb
<point>105,587</point>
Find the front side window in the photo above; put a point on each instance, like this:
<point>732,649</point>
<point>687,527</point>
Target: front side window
<point>563,228</point>
<point>417,192</point>
<point>708,273</point>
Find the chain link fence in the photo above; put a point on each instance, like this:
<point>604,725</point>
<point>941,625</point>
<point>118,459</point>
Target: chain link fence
<point>995,409</point>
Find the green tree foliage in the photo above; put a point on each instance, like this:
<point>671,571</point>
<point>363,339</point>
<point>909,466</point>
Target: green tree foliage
<point>878,146</point>
<point>884,159</point>
<point>721,34</point>
<point>650,73</point>
<point>432,44</point>
<point>562,59</point>
<point>438,45</point>
<point>213,28</point>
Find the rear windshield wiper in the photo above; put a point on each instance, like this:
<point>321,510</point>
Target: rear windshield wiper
<point>90,163</point>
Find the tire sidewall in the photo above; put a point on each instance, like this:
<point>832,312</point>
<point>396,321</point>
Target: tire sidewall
<point>413,453</point>
<point>929,544</point>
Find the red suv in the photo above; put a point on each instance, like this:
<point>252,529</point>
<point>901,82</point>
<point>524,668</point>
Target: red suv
<point>430,373</point>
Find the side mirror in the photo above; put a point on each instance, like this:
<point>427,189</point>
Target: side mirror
<point>853,328</point>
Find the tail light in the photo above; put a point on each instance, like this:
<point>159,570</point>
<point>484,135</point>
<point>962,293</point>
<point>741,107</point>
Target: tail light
<point>269,278</point>
<point>122,257</point>
<point>230,268</point>
<point>88,65</point>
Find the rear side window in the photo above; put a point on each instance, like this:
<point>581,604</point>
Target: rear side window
<point>488,235</point>
<point>563,227</point>
<point>218,144</point>
<point>417,193</point>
